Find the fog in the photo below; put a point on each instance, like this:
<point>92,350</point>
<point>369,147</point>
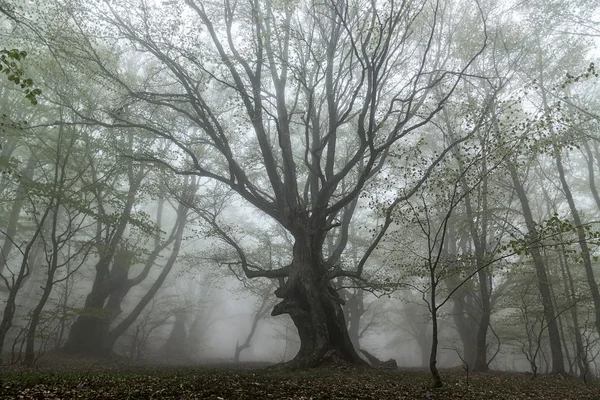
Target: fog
<point>300,184</point>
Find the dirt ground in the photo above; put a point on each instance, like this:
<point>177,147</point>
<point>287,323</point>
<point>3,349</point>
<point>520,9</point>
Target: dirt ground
<point>115,379</point>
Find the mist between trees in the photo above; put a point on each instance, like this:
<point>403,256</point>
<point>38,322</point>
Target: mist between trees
<point>302,182</point>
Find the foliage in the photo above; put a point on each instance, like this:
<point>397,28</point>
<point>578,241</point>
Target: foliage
<point>550,233</point>
<point>10,65</point>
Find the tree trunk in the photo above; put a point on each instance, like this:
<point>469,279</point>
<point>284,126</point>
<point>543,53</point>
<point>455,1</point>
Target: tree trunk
<point>437,379</point>
<point>558,366</point>
<point>89,329</point>
<point>116,287</point>
<point>466,326</point>
<point>177,236</point>
<point>35,318</point>
<point>11,306</point>
<point>581,236</point>
<point>591,174</point>
<point>465,314</point>
<point>479,238</point>
<point>353,311</point>
<point>581,354</point>
<point>64,311</point>
<point>7,148</point>
<point>196,335</point>
<point>481,363</point>
<point>15,213</point>
<point>89,332</point>
<point>315,308</point>
<point>175,348</point>
<point>30,356</point>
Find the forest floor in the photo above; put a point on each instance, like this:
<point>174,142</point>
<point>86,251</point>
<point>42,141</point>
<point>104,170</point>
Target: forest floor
<point>104,380</point>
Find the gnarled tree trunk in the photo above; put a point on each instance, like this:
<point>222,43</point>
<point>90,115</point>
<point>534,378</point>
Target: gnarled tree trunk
<point>316,309</point>
<point>89,332</point>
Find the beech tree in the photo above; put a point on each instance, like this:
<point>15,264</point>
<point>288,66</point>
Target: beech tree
<point>266,97</point>
<point>93,333</point>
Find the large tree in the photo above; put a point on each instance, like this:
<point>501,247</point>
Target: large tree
<point>293,105</point>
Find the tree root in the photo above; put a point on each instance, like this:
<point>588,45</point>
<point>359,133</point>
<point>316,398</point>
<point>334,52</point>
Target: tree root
<point>377,363</point>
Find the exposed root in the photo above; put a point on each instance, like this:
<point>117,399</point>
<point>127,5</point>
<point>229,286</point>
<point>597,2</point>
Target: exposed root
<point>332,358</point>
<point>377,363</point>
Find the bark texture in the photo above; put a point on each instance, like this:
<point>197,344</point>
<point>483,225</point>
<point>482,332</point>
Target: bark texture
<point>316,309</point>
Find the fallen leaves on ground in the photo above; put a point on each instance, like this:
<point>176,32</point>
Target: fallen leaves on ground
<point>233,383</point>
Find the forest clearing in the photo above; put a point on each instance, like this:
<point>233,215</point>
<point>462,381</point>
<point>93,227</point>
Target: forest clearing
<point>301,199</point>
<point>108,380</point>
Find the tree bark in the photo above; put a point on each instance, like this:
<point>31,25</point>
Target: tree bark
<point>581,236</point>
<point>558,366</point>
<point>30,358</point>
<point>464,312</point>
<point>89,332</point>
<point>591,173</point>
<point>315,308</point>
<point>437,379</point>
<point>177,237</point>
<point>102,338</point>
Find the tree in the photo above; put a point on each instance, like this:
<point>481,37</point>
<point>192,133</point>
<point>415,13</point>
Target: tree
<point>64,239</point>
<point>92,332</point>
<point>266,97</point>
<point>428,254</point>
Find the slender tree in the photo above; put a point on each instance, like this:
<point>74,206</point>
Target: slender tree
<point>64,239</point>
<point>550,314</point>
